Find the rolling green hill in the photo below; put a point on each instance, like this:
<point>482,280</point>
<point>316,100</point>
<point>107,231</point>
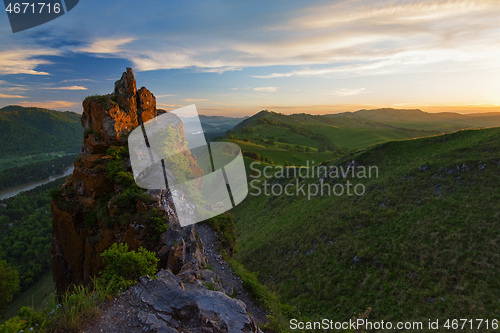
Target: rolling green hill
<point>26,131</point>
<point>358,129</point>
<point>422,242</point>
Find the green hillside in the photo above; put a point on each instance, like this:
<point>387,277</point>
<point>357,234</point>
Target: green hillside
<point>26,131</point>
<point>423,242</point>
<point>358,129</point>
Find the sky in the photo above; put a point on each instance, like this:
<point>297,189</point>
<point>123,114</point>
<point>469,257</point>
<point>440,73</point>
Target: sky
<point>235,58</point>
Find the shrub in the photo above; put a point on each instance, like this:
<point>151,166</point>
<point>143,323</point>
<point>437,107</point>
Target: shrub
<point>129,197</point>
<point>124,267</point>
<point>87,132</point>
<point>9,282</point>
<point>55,194</point>
<point>115,169</point>
<point>90,219</point>
<point>27,318</point>
<point>155,221</point>
<point>97,136</point>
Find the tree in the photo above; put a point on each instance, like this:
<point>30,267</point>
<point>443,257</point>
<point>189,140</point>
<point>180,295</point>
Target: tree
<point>322,149</point>
<point>9,283</point>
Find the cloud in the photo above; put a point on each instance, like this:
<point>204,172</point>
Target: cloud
<point>167,95</point>
<point>79,80</point>
<point>218,103</point>
<point>169,105</point>
<point>50,104</point>
<point>266,89</point>
<point>348,92</point>
<point>336,34</point>
<point>67,88</point>
<point>24,61</point>
<point>11,96</point>
<point>227,112</point>
<point>105,46</point>
<point>15,88</point>
<point>358,37</point>
<point>193,100</point>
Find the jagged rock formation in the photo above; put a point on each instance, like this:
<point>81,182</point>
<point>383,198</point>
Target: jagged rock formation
<point>101,205</point>
<point>95,208</point>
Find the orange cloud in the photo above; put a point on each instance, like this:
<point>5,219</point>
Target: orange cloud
<point>49,104</point>
<point>67,88</point>
<point>11,96</point>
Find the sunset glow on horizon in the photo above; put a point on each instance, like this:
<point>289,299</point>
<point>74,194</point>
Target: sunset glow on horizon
<point>235,59</point>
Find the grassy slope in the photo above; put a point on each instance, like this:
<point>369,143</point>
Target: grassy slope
<point>351,138</point>
<point>34,130</point>
<point>38,296</point>
<point>346,131</point>
<point>281,155</point>
<point>419,235</point>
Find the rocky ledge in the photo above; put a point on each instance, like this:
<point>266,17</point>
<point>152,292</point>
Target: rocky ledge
<point>167,304</point>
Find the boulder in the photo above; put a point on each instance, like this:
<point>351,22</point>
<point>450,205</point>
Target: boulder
<point>166,306</point>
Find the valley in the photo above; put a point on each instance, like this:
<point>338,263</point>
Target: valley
<point>416,243</point>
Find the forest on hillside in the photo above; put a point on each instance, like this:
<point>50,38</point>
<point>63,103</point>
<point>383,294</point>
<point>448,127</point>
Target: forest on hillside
<point>34,130</point>
<point>35,171</point>
<point>26,231</point>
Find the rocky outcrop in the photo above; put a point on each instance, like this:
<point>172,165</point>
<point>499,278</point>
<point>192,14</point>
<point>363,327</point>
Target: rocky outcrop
<point>169,304</point>
<point>93,209</point>
<point>101,205</point>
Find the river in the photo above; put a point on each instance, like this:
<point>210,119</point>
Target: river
<point>12,191</point>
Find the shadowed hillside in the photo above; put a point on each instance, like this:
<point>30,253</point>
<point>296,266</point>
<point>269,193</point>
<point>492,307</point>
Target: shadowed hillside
<point>35,130</point>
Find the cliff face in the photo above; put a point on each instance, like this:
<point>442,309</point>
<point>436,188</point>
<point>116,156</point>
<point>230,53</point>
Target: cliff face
<point>101,205</point>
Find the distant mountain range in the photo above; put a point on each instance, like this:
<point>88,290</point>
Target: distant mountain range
<point>211,125</point>
<point>359,129</point>
<point>418,119</point>
<point>35,130</point>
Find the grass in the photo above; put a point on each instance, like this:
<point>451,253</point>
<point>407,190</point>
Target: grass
<point>80,303</point>
<point>425,235</point>
<point>38,296</point>
<point>281,156</point>
<point>277,312</point>
<point>352,138</point>
<point>344,132</point>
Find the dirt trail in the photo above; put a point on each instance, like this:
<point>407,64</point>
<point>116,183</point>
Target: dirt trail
<point>222,269</point>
